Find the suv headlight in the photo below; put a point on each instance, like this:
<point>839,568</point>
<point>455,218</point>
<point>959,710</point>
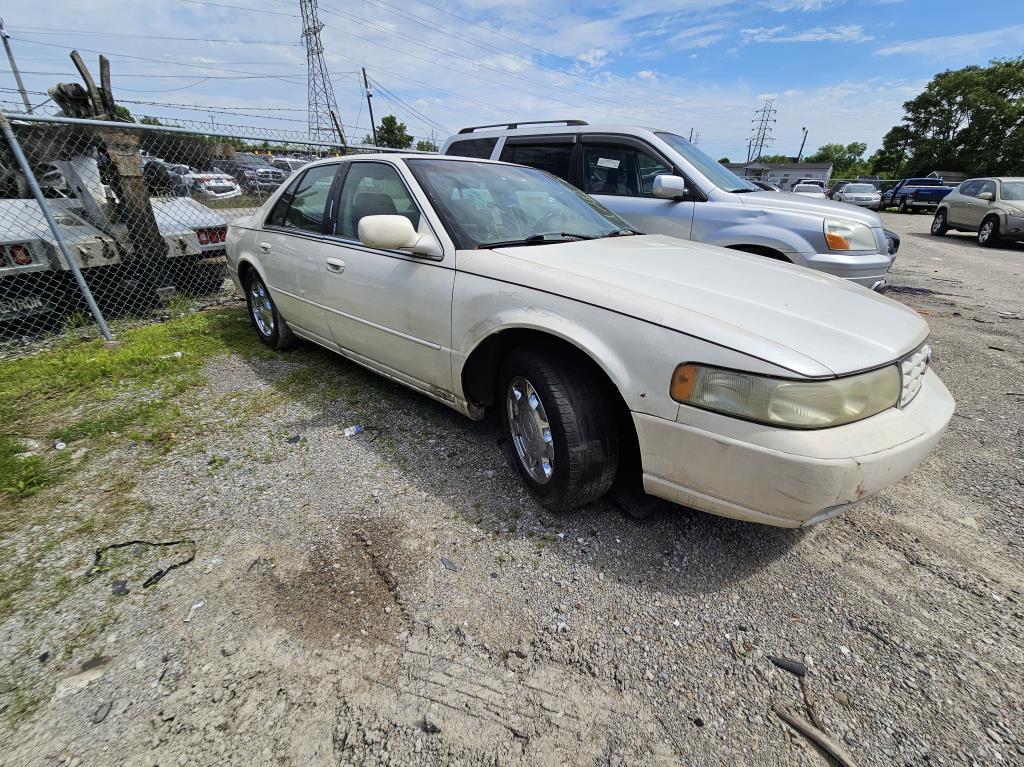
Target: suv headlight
<point>784,402</point>
<point>848,235</point>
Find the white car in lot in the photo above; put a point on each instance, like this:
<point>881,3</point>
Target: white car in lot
<point>862,195</point>
<point>713,378</point>
<point>809,190</point>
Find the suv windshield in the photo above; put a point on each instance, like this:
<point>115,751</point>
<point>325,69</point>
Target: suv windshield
<point>486,205</point>
<point>1012,190</point>
<point>859,188</point>
<point>250,161</point>
<point>713,171</point>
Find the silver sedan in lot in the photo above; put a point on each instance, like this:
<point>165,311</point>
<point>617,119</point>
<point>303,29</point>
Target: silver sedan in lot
<point>862,195</point>
<point>716,379</point>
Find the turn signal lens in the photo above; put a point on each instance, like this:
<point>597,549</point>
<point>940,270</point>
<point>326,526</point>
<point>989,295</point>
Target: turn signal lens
<point>204,237</point>
<point>683,379</point>
<point>837,241</point>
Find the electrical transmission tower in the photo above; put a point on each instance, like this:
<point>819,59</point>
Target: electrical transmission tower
<point>761,134</point>
<point>323,109</point>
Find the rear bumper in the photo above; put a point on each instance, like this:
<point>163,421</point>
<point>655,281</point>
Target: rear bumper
<point>786,477</point>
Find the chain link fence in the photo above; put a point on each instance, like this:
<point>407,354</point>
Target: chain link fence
<point>140,211</point>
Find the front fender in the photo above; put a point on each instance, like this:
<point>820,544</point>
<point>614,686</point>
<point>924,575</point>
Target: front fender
<point>792,244</point>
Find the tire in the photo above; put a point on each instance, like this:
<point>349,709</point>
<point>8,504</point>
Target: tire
<point>581,445</point>
<point>266,320</point>
<point>903,207</point>
<point>988,232</point>
<point>939,224</point>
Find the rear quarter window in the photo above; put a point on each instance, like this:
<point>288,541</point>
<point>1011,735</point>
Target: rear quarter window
<point>479,148</point>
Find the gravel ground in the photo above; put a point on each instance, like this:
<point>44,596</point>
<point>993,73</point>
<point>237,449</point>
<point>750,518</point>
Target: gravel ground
<point>395,597</point>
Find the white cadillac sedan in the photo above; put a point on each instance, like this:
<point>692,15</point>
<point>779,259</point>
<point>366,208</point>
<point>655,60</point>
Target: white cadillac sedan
<point>719,380</point>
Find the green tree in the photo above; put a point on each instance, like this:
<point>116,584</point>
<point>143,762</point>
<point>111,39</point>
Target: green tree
<point>847,161</point>
<point>773,158</point>
<point>890,159</point>
<point>391,134</point>
<point>724,159</point>
<point>969,119</point>
<point>425,145</point>
<point>122,114</point>
<point>150,121</point>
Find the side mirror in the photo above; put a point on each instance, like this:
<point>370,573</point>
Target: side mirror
<point>669,187</point>
<point>986,196</point>
<point>396,233</point>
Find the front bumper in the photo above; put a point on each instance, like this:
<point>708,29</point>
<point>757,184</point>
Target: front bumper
<point>872,204</point>
<point>867,269</point>
<point>787,477</point>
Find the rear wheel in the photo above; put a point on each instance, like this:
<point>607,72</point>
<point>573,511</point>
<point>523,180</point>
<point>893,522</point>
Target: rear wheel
<point>939,224</point>
<point>272,330</point>
<point>558,418</point>
<point>988,232</point>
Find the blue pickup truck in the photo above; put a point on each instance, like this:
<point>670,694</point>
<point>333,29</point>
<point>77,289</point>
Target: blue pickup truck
<point>912,194</point>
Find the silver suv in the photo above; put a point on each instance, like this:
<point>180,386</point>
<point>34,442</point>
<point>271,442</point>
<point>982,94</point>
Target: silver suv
<point>662,184</point>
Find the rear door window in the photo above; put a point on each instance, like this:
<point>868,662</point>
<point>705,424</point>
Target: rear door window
<point>988,186</point>
<point>556,159</point>
<point>302,206</point>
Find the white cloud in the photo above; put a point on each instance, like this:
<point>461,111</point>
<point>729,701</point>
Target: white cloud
<point>956,45</point>
<point>648,74</point>
<point>593,58</point>
<point>844,33</point>
<point>782,6</point>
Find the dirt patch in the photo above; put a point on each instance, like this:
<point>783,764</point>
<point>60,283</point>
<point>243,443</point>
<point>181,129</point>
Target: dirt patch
<point>344,590</point>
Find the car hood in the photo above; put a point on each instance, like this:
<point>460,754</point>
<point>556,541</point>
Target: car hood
<point>805,321</point>
<point>812,205</point>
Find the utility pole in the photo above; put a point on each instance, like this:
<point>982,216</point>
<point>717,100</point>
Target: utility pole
<point>14,67</point>
<point>369,104</point>
<point>761,133</point>
<point>320,92</point>
<point>800,154</point>
<point>691,135</point>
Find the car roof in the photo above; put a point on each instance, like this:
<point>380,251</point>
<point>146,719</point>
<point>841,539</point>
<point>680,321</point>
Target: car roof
<point>405,156</point>
<point>547,130</point>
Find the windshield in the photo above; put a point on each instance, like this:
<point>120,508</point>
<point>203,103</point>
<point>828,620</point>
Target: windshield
<point>925,182</point>
<point>858,188</point>
<point>483,204</point>
<point>1013,190</point>
<point>713,171</point>
<point>249,160</point>
<point>808,188</point>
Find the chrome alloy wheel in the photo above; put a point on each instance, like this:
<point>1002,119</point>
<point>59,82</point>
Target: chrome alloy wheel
<point>986,231</point>
<point>262,308</point>
<point>531,432</point>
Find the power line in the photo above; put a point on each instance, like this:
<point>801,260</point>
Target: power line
<point>321,105</point>
<point>240,8</point>
<point>761,133</point>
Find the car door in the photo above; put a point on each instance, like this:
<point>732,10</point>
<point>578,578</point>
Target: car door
<point>620,172</point>
<point>291,245</point>
<point>979,208</point>
<point>387,308</point>
<point>958,201</point>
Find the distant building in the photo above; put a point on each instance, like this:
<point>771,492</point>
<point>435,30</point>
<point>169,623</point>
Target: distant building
<point>783,175</point>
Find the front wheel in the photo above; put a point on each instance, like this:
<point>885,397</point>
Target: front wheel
<point>558,418</point>
<point>939,224</point>
<point>988,232</point>
<point>272,330</point>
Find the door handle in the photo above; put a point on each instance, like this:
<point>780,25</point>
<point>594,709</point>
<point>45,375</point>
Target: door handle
<point>335,265</point>
<point>265,247</point>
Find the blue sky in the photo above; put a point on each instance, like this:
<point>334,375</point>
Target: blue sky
<point>842,69</point>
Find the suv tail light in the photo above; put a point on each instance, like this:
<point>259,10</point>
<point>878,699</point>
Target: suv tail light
<point>204,236</point>
<point>215,235</point>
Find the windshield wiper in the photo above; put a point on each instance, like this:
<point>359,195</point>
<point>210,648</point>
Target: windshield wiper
<point>740,191</point>
<point>541,238</point>
<point>621,233</point>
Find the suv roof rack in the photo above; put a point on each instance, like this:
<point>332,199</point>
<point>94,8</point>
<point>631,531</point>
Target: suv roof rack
<point>511,126</point>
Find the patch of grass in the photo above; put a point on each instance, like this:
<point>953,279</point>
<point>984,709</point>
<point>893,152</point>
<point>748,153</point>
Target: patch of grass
<point>88,390</point>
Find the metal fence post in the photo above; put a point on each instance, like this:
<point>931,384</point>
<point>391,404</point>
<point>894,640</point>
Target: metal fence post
<point>5,126</point>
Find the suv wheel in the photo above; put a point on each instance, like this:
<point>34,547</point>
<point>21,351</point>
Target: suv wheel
<point>560,424</point>
<point>903,207</point>
<point>988,232</point>
<point>939,224</point>
<point>272,330</point>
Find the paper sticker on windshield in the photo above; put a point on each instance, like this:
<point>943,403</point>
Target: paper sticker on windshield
<point>604,162</point>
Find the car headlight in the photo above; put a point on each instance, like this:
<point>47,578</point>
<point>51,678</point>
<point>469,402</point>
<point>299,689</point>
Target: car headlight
<point>848,235</point>
<point>787,403</point>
